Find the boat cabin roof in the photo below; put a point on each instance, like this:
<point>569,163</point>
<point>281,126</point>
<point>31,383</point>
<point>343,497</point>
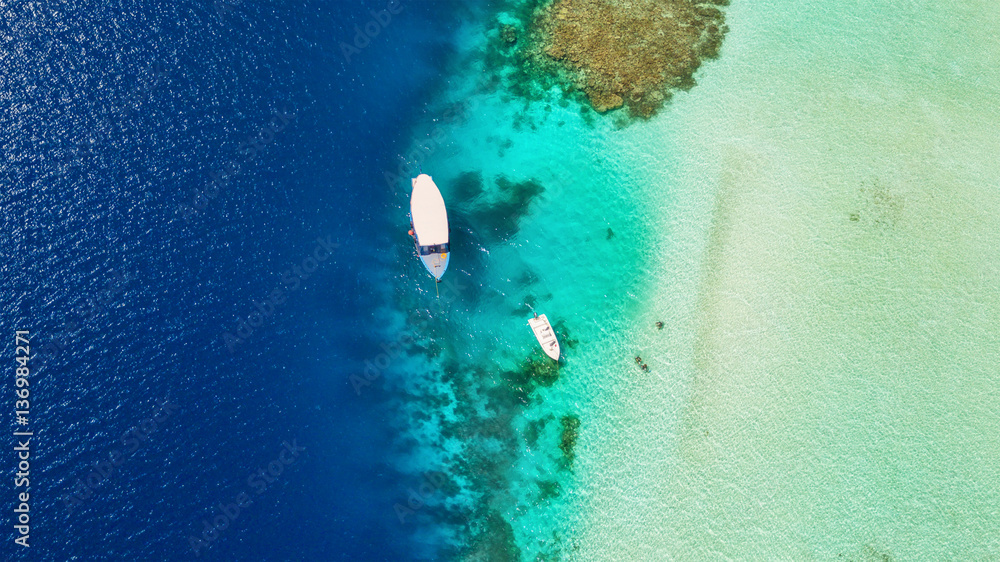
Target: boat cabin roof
<point>427,211</point>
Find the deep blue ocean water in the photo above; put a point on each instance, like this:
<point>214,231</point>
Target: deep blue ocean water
<point>130,267</point>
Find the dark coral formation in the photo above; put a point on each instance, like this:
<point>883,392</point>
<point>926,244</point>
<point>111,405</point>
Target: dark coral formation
<point>496,215</point>
<point>604,53</point>
<point>494,540</point>
<point>500,218</point>
<point>565,337</point>
<point>534,373</point>
<point>570,432</point>
<point>467,186</point>
<point>508,33</point>
<point>631,53</point>
<point>548,489</point>
<point>534,429</point>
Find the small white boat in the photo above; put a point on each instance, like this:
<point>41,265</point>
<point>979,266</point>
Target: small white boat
<point>429,219</point>
<point>546,337</point>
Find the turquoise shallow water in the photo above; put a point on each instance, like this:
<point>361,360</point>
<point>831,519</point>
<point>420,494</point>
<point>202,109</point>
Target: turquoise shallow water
<point>816,225</point>
<point>547,210</point>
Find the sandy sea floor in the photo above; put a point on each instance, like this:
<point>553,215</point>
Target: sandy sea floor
<point>837,396</point>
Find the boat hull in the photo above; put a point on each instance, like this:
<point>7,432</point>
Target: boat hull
<point>436,264</point>
<point>545,335</point>
<point>429,219</point>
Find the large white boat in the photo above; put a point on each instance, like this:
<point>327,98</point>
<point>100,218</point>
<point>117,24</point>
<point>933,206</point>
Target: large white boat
<point>429,220</point>
<point>546,337</point>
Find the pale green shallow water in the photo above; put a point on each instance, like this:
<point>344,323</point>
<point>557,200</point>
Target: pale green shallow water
<point>842,393</point>
<point>817,223</point>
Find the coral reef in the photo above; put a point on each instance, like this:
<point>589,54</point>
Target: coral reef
<point>467,186</point>
<point>496,214</point>
<point>494,541</point>
<point>548,489</point>
<point>534,429</point>
<point>570,432</point>
<point>631,53</point>
<point>605,53</point>
<point>508,33</point>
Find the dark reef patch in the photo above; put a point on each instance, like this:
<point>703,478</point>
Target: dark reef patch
<point>567,440</point>
<point>529,277</point>
<point>499,217</point>
<point>542,372</point>
<point>486,404</point>
<point>548,489</point>
<point>508,34</point>
<point>563,332</point>
<point>879,206</point>
<point>466,187</point>
<point>529,302</point>
<point>533,430</point>
<point>606,53</point>
<point>534,373</point>
<point>494,541</point>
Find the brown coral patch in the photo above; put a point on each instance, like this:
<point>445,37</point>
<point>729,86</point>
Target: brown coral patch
<point>633,52</point>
